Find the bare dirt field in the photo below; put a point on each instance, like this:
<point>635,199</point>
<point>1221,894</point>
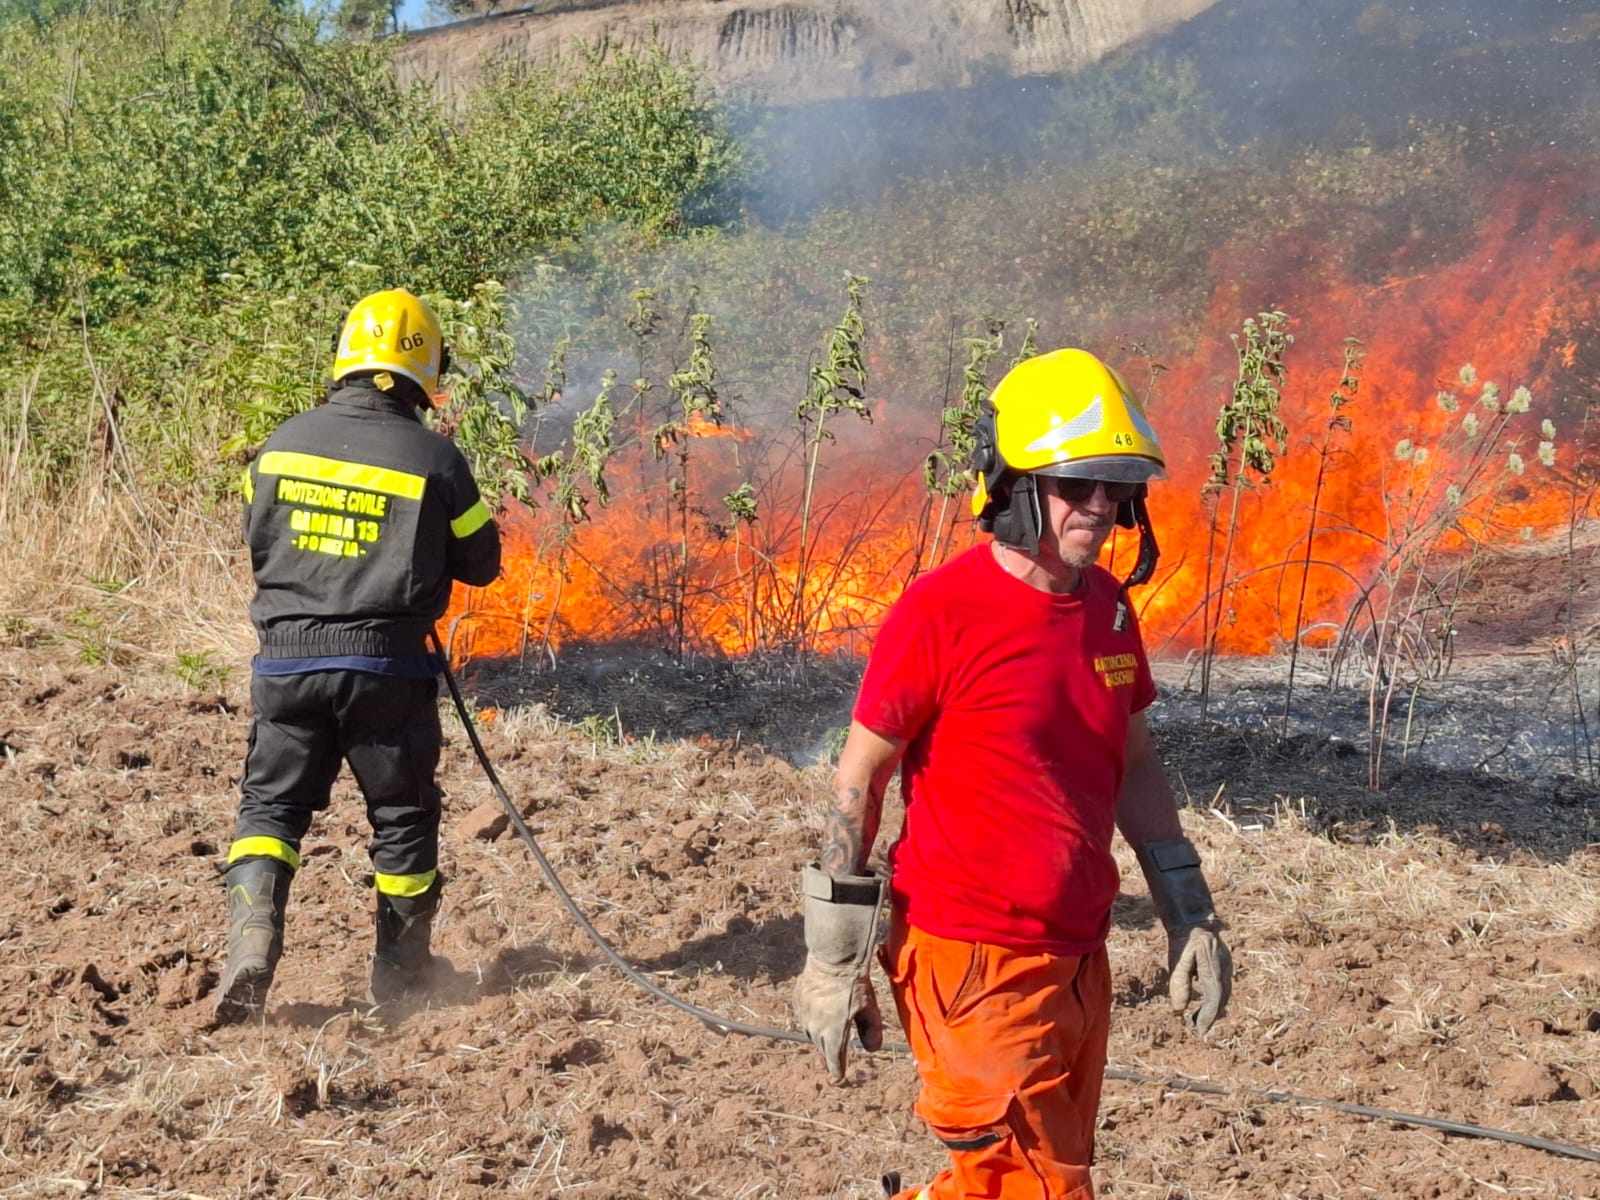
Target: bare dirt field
<point>1436,951</point>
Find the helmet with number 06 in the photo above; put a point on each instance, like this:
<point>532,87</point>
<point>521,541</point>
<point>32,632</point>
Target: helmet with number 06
<point>392,331</point>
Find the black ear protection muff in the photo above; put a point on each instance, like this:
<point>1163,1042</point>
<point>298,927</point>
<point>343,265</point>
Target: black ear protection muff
<point>1011,512</point>
<point>985,451</point>
<point>1017,520</point>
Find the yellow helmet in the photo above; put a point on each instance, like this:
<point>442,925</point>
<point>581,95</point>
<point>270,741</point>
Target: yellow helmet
<point>1067,413</point>
<point>1062,413</point>
<point>392,331</point>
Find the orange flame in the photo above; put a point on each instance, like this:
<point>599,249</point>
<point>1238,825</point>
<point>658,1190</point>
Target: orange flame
<point>1520,305</point>
<point>699,427</point>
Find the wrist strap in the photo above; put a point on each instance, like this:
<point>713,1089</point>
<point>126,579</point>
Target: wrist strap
<point>1177,887</point>
<point>843,889</point>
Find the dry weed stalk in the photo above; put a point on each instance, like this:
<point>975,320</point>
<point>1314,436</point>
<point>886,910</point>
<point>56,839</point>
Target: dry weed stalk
<point>947,471</point>
<point>589,452</point>
<point>742,509</point>
<point>694,391</point>
<point>1437,525</point>
<point>1576,646</point>
<point>1342,394</point>
<point>836,384</point>
<point>1251,437</point>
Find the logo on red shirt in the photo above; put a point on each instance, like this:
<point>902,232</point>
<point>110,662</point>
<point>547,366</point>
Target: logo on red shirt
<point>1116,670</point>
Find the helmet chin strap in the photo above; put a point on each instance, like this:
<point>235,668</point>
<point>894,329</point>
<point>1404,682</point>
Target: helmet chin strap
<point>1144,566</point>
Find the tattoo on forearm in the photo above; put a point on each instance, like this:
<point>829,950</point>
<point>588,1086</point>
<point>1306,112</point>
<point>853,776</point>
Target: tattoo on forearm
<point>841,838</point>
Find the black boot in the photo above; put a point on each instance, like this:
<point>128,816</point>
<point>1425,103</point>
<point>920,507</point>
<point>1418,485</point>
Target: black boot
<point>258,894</point>
<point>401,961</point>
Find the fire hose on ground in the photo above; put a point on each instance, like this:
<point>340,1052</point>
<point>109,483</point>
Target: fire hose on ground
<point>720,1024</point>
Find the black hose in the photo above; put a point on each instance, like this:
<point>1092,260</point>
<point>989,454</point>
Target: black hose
<point>721,1024</point>
<point>1183,1084</point>
<point>706,1016</point>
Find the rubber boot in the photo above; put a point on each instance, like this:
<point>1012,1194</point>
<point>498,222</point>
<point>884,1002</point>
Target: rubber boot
<point>401,962</point>
<point>258,895</point>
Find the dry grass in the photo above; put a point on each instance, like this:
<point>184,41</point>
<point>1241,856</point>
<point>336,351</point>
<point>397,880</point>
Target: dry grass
<point>125,579</point>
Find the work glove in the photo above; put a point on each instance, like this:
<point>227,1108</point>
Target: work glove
<point>1198,962</point>
<point>834,992</point>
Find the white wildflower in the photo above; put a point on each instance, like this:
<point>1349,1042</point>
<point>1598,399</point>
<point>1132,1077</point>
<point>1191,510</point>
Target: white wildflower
<point>1469,425</point>
<point>1489,398</point>
<point>1469,375</point>
<point>1447,401</point>
<point>1419,455</point>
<point>1452,495</point>
<point>1520,400</point>
<point>1514,463</point>
<point>1402,449</point>
<point>1547,454</point>
<point>1547,429</point>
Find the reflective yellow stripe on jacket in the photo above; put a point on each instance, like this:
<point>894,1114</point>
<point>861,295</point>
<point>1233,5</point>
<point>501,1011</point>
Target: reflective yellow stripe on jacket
<point>469,522</point>
<point>343,474</point>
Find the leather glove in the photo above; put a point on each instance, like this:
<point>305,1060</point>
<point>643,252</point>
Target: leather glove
<point>1198,961</point>
<point>833,991</point>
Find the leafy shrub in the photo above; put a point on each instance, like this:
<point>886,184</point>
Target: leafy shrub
<point>191,195</point>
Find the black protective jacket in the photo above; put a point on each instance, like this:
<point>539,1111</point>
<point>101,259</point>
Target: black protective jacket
<point>358,518</point>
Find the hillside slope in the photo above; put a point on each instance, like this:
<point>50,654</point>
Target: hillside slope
<point>802,50</point>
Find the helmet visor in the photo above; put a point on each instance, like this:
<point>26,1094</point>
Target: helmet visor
<point>1114,468</point>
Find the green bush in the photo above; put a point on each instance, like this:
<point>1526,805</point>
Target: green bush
<point>152,149</point>
<point>192,193</point>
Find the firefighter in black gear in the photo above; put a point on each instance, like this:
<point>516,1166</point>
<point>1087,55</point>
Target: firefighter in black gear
<point>358,519</point>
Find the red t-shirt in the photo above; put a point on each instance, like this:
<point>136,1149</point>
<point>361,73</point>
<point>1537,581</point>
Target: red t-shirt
<point>1015,705</point>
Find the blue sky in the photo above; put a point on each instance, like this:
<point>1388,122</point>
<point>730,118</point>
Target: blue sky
<point>414,14</point>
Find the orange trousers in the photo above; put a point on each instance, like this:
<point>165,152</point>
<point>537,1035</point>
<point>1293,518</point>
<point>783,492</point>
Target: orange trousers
<point>1011,1049</point>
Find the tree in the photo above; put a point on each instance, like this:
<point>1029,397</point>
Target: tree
<point>40,12</point>
<point>461,10</point>
<point>368,18</point>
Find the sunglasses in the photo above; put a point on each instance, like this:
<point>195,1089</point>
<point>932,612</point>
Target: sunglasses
<point>1077,491</point>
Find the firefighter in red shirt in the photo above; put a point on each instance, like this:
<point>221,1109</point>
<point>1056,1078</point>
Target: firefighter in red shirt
<point>1009,687</point>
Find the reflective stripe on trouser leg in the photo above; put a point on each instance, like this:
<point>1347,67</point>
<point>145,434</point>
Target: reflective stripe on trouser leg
<point>264,847</point>
<point>391,735</point>
<point>1010,1048</point>
<point>291,763</point>
<point>404,885</point>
